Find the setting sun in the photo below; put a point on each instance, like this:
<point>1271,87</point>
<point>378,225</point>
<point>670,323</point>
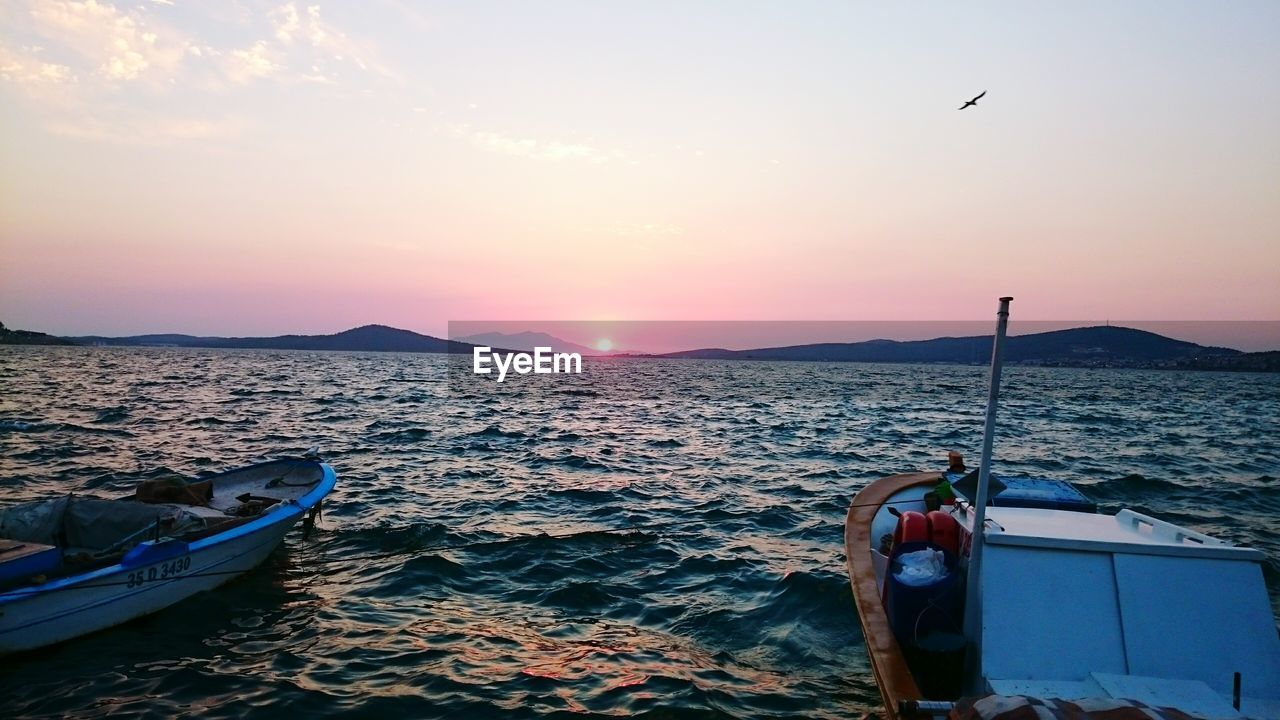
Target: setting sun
<point>604,344</point>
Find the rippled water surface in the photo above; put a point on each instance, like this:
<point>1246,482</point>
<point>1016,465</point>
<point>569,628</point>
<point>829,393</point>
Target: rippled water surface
<point>732,601</point>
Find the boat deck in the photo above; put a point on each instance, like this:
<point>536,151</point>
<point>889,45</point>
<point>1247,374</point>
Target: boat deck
<point>283,480</point>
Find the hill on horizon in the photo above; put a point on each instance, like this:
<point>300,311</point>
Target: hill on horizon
<point>367,338</point>
<point>527,341</point>
<point>1101,344</point>
<point>28,337</point>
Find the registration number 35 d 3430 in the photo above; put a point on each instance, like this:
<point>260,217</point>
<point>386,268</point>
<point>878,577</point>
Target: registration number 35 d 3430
<point>163,571</point>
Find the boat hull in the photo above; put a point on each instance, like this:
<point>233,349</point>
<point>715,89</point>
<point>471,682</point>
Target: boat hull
<point>74,610</point>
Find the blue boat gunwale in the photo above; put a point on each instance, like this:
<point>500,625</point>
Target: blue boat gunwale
<point>149,587</point>
<point>287,511</point>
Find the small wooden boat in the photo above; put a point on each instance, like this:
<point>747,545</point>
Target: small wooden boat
<point>1052,609</point>
<point>77,564</point>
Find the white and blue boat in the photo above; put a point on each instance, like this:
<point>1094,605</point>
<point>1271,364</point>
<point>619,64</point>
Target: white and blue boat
<point>77,564</point>
<point>999,598</point>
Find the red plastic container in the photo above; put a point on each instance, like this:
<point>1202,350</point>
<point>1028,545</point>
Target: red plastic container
<point>944,531</point>
<point>912,527</point>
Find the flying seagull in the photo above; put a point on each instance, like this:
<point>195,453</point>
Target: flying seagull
<point>973,101</point>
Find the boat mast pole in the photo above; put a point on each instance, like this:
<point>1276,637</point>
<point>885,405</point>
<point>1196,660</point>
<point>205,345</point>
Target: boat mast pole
<point>973,586</point>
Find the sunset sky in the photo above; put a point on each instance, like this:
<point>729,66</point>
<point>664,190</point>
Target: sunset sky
<point>245,168</point>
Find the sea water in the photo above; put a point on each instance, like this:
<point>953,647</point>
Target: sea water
<point>651,537</point>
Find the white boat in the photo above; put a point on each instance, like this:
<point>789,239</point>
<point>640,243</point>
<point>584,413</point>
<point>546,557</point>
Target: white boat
<point>1052,610</point>
<point>77,564</point>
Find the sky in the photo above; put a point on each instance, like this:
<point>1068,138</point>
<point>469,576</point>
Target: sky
<point>245,168</point>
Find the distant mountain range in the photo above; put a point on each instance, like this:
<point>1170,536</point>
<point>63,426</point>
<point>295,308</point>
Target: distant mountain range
<point>369,338</point>
<point>528,341</point>
<point>1101,346</point>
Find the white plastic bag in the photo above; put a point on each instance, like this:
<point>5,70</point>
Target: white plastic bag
<point>922,567</point>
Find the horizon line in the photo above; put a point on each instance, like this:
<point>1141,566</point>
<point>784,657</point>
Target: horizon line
<point>1266,344</point>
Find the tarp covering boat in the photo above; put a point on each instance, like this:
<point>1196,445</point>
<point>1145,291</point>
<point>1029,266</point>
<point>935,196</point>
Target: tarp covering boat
<point>94,525</point>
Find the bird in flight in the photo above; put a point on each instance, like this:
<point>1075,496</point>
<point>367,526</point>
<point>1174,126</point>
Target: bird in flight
<point>973,101</point>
